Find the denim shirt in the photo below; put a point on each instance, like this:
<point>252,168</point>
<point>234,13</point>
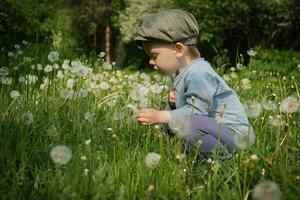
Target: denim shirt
<point>200,90</point>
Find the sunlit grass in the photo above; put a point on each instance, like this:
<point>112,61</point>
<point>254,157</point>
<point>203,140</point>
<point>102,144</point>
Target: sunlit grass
<point>84,111</point>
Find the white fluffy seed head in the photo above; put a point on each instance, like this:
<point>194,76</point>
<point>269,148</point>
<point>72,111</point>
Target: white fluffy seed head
<point>152,159</point>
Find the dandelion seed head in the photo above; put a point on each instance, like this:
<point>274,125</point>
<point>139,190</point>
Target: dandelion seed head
<point>254,157</point>
<point>252,108</point>
<point>61,154</point>
<point>181,126</point>
<point>152,160</point>
<point>89,116</point>
<point>101,54</point>
<point>276,121</point>
<point>86,172</point>
<point>83,93</point>
<point>88,142</point>
<point>156,89</point>
<point>269,105</point>
<point>6,80</point>
<point>27,117</point>
<point>245,83</point>
<point>4,71</point>
<point>53,56</point>
<point>10,54</point>
<point>71,83</point>
<point>150,188</point>
<point>290,105</point>
<point>14,94</point>
<point>245,138</point>
<point>48,68</point>
<point>251,52</point>
<point>267,190</point>
<point>226,77</point>
<point>104,86</point>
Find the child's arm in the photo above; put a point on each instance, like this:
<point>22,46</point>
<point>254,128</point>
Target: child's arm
<point>171,99</point>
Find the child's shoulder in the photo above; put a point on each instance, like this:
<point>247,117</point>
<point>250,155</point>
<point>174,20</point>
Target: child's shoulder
<point>201,67</point>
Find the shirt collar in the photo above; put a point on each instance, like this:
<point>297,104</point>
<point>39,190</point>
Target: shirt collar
<point>177,78</point>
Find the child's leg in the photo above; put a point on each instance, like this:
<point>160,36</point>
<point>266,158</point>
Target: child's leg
<point>207,129</point>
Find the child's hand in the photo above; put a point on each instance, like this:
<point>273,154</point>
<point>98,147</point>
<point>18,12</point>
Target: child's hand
<point>171,98</point>
<point>149,116</point>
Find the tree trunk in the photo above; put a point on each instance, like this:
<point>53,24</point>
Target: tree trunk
<point>107,41</point>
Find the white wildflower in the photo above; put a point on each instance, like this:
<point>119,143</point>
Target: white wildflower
<point>70,83</point>
<point>226,77</point>
<point>152,160</point>
<point>86,172</point>
<point>88,142</point>
<point>245,138</point>
<point>150,189</point>
<point>145,78</point>
<point>79,69</point>
<point>66,94</point>
<point>139,92</point>
<point>30,79</point>
<point>104,86</point>
<point>246,83</point>
<point>102,54</point>
<point>4,71</point>
<point>96,77</point>
<point>267,190</point>
<point>181,126</point>
<point>53,56</point>
<point>6,80</point>
<point>27,117</point>
<point>290,105</point>
<point>10,54</point>
<point>252,108</point>
<point>21,79</point>
<point>276,121</point>
<point>156,89</point>
<point>48,68</point>
<point>83,93</point>
<point>14,94</point>
<point>233,75</point>
<point>111,103</point>
<point>39,67</point>
<point>107,66</point>
<point>55,66</point>
<point>89,116</point>
<point>60,74</point>
<point>251,52</point>
<point>133,109</point>
<point>61,154</point>
<point>269,105</point>
<point>145,102</point>
<point>254,157</point>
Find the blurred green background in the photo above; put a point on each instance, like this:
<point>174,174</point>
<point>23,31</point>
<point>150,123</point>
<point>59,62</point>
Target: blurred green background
<point>84,28</point>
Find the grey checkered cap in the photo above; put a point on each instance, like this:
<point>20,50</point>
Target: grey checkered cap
<point>173,25</point>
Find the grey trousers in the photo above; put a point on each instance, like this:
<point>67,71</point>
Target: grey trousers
<point>207,130</point>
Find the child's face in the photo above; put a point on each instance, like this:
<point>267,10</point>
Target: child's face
<point>163,57</point>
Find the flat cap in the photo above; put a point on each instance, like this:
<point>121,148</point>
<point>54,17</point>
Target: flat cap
<point>173,25</point>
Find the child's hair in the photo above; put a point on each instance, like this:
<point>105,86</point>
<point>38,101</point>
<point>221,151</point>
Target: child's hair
<point>171,26</point>
<point>194,51</point>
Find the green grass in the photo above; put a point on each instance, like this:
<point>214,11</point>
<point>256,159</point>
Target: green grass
<point>116,163</point>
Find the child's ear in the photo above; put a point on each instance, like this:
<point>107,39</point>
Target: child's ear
<point>179,49</point>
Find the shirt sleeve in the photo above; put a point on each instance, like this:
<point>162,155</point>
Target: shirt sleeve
<point>199,91</point>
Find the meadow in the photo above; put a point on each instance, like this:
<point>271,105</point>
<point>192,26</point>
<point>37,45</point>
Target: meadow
<point>68,131</point>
